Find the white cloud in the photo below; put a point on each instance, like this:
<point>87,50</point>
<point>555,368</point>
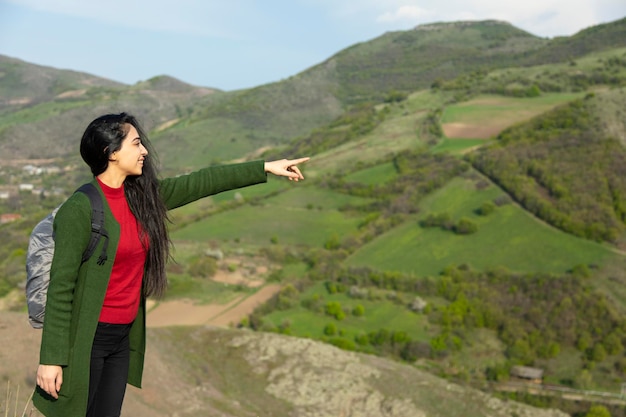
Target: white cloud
<point>540,17</point>
<point>408,14</point>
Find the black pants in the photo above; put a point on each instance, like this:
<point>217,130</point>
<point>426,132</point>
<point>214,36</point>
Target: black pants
<point>109,370</point>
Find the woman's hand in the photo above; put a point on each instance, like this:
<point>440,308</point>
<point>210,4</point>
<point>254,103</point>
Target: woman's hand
<point>50,378</point>
<point>286,168</point>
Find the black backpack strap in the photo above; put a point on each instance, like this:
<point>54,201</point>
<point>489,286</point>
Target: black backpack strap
<point>97,223</point>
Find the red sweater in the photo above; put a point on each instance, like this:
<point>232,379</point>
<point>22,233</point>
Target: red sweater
<point>121,301</point>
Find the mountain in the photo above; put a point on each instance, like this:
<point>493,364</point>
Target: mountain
<point>461,220</point>
<point>273,114</point>
<point>24,84</point>
<point>594,39</point>
<point>46,109</point>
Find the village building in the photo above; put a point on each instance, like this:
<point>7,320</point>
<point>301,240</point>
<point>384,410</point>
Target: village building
<point>534,375</point>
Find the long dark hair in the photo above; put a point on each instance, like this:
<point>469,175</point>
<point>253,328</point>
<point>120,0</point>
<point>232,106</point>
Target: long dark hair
<point>104,136</point>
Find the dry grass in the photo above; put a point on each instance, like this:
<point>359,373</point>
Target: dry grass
<point>12,404</point>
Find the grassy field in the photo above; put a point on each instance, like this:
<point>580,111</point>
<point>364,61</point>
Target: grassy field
<point>509,238</point>
<point>457,146</point>
<point>300,216</point>
<point>379,174</point>
<point>378,315</point>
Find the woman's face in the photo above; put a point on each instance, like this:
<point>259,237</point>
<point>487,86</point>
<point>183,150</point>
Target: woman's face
<point>129,158</point>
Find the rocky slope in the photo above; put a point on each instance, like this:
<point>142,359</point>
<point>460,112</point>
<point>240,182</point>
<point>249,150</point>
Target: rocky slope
<point>207,371</point>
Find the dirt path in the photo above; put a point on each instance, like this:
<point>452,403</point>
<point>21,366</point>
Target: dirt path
<point>246,307</point>
<point>186,313</point>
<point>464,130</point>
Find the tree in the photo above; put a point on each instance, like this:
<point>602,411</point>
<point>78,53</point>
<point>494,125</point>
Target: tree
<point>288,297</point>
<point>358,311</point>
<point>533,91</point>
<point>598,411</point>
<point>520,352</point>
<point>613,344</point>
<point>330,329</point>
<point>597,353</point>
<point>333,308</point>
<point>465,227</point>
<point>584,380</point>
<point>486,208</point>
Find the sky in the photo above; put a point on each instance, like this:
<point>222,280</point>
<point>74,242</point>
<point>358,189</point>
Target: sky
<point>238,44</point>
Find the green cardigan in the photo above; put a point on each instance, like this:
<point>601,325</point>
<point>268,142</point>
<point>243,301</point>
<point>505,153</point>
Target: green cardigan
<point>76,291</point>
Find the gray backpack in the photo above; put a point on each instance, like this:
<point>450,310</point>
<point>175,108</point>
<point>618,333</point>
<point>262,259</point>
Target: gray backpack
<point>41,250</point>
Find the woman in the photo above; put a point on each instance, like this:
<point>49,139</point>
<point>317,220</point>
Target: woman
<point>93,338</point>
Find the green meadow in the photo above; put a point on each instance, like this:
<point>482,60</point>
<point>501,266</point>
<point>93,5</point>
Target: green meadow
<point>457,146</point>
<point>378,314</point>
<point>509,237</point>
<point>301,216</point>
<point>378,174</point>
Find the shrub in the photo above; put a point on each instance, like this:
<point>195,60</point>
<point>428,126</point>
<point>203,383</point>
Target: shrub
<point>597,353</point>
<point>332,243</point>
<point>598,411</point>
<point>342,343</point>
<point>395,96</point>
<point>486,208</point>
<point>363,340</point>
<point>465,227</point>
<point>358,311</point>
<point>502,200</point>
<point>333,308</point>
<point>203,267</point>
<point>287,297</point>
<point>442,220</point>
<point>330,329</point>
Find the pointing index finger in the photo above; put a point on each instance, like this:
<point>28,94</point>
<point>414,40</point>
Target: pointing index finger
<point>298,161</point>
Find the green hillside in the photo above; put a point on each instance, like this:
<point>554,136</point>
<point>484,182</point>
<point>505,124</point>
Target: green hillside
<point>24,84</point>
<point>527,245</point>
<point>464,209</point>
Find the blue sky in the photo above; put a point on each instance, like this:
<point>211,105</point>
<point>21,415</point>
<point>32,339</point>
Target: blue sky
<point>235,44</point>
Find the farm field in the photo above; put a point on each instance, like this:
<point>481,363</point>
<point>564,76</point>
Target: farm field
<point>486,116</point>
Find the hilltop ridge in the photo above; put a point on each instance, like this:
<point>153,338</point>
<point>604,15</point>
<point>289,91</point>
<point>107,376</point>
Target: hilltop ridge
<point>461,24</point>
